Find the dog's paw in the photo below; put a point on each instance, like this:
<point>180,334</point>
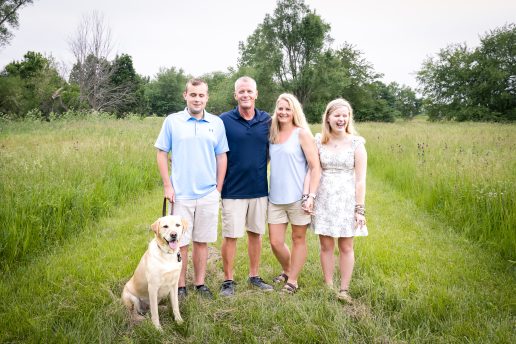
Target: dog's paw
<point>137,318</point>
<point>179,320</point>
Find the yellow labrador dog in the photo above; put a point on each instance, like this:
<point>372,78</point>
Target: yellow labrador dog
<point>157,274</point>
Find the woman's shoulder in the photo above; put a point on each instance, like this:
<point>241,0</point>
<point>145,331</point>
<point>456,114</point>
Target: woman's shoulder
<point>304,133</point>
<point>357,139</point>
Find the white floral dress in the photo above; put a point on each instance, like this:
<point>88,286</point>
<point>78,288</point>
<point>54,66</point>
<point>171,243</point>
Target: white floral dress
<point>334,208</point>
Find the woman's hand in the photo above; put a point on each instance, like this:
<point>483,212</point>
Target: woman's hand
<point>360,221</point>
<point>308,205</point>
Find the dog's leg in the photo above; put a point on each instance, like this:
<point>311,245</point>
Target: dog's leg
<point>153,300</point>
<point>175,305</point>
<point>133,304</point>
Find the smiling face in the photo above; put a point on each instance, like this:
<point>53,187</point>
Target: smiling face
<point>169,230</point>
<point>284,111</point>
<point>338,120</point>
<point>246,94</point>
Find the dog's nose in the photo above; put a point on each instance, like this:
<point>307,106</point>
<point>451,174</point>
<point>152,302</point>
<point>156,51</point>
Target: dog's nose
<point>174,236</point>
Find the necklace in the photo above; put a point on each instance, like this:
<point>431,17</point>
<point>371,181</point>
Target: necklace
<point>338,143</point>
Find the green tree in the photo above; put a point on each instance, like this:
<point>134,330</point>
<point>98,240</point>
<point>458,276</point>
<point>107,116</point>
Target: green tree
<point>406,102</point>
<point>9,18</point>
<point>494,71</point>
<point>32,83</point>
<point>287,46</point>
<point>221,90</point>
<point>473,84</point>
<point>164,95</point>
<point>129,83</point>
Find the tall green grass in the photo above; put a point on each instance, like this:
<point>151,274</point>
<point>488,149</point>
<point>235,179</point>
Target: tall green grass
<point>414,282</point>
<point>465,173</point>
<point>57,177</point>
<point>418,279</point>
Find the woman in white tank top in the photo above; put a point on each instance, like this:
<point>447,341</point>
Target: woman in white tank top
<point>293,153</point>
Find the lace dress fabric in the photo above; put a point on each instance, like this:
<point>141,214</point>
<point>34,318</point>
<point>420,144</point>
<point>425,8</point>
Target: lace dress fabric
<point>334,208</point>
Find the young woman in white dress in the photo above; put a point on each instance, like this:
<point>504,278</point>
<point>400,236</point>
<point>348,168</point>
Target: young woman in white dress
<point>339,211</point>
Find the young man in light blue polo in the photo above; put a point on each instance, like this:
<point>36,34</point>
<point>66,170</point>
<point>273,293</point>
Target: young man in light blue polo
<point>197,143</point>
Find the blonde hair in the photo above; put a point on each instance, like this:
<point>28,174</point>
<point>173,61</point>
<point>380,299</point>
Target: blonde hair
<point>299,119</point>
<point>333,106</point>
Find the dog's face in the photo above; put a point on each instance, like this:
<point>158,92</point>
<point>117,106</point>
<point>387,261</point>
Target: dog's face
<point>169,230</point>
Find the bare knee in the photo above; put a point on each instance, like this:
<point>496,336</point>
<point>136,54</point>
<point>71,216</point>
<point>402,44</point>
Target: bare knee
<point>346,246</point>
<point>327,245</point>
<point>277,243</point>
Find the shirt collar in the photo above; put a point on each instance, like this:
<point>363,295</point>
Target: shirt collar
<point>258,116</point>
<point>187,117</point>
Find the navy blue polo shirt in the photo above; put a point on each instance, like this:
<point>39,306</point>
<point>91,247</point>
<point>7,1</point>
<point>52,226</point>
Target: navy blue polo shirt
<point>248,141</point>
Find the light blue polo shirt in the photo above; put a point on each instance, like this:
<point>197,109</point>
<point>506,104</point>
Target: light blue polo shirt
<point>194,145</point>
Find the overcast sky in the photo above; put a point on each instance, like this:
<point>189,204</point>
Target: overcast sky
<point>202,36</point>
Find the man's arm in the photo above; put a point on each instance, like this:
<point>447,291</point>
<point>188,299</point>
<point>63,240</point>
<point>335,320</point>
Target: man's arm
<point>222,165</point>
<point>162,158</point>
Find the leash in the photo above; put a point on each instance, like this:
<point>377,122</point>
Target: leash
<point>164,210</point>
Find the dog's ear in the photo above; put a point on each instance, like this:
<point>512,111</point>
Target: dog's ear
<point>155,226</point>
<point>185,224</point>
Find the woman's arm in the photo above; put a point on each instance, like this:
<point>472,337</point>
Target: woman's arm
<point>314,166</point>
<point>360,184</point>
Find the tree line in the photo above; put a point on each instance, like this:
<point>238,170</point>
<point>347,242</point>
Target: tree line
<point>292,51</point>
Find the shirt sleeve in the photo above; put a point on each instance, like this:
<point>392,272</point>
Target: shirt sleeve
<point>164,141</point>
<point>222,141</point>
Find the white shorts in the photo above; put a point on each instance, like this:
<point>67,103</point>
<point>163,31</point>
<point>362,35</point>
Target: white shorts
<point>202,215</point>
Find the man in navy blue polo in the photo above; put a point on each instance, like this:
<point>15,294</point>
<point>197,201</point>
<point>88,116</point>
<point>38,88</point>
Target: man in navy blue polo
<point>245,189</point>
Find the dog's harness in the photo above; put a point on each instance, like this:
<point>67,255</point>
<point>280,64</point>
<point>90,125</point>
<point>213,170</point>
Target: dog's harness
<point>164,213</point>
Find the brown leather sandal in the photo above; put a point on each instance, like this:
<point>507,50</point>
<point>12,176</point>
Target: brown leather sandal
<point>281,278</point>
<point>289,288</point>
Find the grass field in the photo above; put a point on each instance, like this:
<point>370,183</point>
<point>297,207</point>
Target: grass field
<point>432,269</point>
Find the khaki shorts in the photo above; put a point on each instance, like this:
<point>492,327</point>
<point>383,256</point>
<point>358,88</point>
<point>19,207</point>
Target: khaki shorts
<point>202,215</point>
<point>284,213</point>
<point>239,214</point>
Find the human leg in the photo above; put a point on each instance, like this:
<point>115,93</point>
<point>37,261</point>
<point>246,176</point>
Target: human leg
<point>327,258</point>
<point>299,252</point>
<point>255,220</point>
<point>254,249</point>
<point>204,232</point>
<point>184,265</point>
<point>228,252</point>
<point>279,248</point>
<point>346,261</point>
<point>199,258</point>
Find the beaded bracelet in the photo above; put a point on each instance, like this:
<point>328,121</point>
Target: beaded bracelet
<point>360,209</point>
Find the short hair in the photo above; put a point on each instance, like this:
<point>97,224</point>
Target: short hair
<point>333,106</point>
<point>299,119</point>
<point>245,79</point>
<point>195,82</point>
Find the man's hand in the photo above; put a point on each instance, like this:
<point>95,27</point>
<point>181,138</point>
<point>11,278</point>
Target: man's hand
<point>170,193</point>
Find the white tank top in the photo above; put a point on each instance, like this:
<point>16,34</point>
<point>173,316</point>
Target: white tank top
<point>288,170</point>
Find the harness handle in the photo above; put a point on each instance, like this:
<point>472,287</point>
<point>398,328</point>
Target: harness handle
<point>164,211</point>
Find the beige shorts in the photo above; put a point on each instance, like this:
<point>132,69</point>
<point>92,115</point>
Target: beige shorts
<point>202,215</point>
<point>239,214</point>
<point>284,213</point>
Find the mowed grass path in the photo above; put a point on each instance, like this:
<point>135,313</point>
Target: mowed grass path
<point>415,281</point>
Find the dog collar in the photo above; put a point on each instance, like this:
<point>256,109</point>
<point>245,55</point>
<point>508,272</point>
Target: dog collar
<point>165,251</point>
<point>168,252</point>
